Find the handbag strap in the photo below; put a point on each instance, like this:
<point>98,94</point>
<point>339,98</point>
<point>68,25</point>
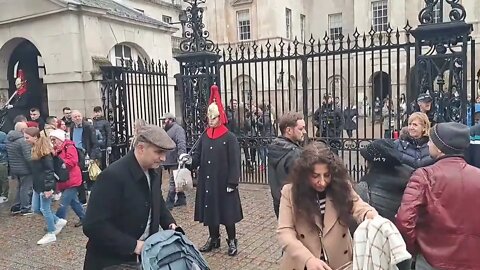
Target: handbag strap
<point>323,255</point>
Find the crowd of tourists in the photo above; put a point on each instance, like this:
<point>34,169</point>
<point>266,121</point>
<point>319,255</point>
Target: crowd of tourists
<point>414,208</point>
<point>35,153</point>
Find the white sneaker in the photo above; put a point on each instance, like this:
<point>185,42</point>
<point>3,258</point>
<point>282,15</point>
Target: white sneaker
<point>3,199</point>
<point>57,196</point>
<point>47,238</point>
<point>59,226</point>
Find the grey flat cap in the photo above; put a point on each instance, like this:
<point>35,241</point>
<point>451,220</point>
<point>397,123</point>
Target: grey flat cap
<point>168,115</point>
<point>156,136</point>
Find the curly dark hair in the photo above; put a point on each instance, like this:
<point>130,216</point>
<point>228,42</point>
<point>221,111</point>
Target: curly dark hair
<point>304,196</point>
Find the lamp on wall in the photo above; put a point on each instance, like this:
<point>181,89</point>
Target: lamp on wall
<point>182,20</point>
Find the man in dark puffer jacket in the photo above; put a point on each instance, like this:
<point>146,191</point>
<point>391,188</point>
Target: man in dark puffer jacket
<point>19,156</point>
<point>101,124</point>
<point>283,152</point>
<point>387,177</point>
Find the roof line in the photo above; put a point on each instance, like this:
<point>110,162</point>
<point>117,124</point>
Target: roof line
<point>111,12</point>
<point>140,13</point>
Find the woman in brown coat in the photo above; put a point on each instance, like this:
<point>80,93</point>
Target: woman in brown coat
<point>316,208</point>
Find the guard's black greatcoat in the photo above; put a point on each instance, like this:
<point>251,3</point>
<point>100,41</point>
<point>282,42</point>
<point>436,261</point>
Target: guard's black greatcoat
<point>118,211</point>
<point>219,161</point>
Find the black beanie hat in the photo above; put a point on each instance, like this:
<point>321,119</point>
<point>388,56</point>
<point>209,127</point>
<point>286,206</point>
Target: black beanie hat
<point>451,138</point>
<point>381,152</point>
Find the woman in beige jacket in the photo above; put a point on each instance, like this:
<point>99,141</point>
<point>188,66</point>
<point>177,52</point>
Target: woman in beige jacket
<point>316,208</point>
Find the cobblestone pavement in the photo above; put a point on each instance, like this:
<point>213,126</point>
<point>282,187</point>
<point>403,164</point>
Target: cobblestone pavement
<point>258,248</point>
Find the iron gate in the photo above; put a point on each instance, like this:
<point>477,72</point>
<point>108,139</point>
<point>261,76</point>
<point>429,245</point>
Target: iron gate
<point>373,78</point>
<point>133,90</point>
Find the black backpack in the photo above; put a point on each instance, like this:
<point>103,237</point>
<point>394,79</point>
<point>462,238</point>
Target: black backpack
<point>81,159</point>
<point>60,168</point>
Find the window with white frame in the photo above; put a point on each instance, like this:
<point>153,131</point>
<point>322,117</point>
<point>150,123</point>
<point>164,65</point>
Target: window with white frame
<point>166,19</point>
<point>438,12</point>
<point>243,24</point>
<point>335,25</point>
<point>122,52</point>
<point>302,27</point>
<point>380,15</point>
<point>129,54</point>
<point>288,20</point>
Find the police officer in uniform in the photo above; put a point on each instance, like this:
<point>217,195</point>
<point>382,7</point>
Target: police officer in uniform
<point>329,120</point>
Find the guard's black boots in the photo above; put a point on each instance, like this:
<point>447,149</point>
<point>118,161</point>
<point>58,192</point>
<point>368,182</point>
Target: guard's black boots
<point>210,244</point>
<point>232,247</point>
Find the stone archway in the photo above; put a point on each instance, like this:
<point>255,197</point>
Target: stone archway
<point>21,54</point>
<point>244,88</point>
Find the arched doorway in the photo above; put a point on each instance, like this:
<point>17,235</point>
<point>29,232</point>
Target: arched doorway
<point>381,85</point>
<point>244,87</point>
<point>24,55</point>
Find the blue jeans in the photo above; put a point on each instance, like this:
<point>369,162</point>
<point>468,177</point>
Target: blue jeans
<point>422,264</point>
<point>263,152</point>
<point>70,198</point>
<point>43,206</point>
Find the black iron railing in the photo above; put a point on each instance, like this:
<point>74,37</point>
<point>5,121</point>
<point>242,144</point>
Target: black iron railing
<point>134,90</point>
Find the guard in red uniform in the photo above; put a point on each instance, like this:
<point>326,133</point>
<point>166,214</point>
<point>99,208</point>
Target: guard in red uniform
<point>218,156</point>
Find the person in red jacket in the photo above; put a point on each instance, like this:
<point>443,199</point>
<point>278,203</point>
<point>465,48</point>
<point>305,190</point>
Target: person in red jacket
<point>65,149</point>
<point>438,216</point>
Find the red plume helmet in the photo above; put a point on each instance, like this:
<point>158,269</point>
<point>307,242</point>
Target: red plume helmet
<point>215,107</point>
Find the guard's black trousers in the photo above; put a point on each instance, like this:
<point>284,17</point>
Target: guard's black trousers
<point>214,231</point>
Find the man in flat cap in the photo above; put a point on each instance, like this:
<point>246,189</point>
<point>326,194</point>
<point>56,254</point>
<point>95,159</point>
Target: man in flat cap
<point>438,217</point>
<point>126,204</point>
<point>177,134</point>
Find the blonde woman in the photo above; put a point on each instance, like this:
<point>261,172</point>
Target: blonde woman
<point>413,144</point>
<point>43,183</point>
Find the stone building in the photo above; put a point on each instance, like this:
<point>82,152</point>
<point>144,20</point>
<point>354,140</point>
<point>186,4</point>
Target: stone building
<point>60,44</point>
<point>239,24</point>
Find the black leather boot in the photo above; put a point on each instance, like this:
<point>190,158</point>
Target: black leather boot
<point>211,243</point>
<point>232,247</point>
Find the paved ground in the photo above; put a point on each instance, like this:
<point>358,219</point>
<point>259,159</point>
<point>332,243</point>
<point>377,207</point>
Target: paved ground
<point>258,248</point>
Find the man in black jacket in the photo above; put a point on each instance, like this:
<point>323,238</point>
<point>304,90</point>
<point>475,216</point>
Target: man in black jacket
<point>329,120</point>
<point>232,115</point>
<point>83,135</point>
<point>67,116</point>
<point>425,104</point>
<point>283,152</point>
<point>126,204</point>
<point>101,124</point>
<point>35,116</point>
